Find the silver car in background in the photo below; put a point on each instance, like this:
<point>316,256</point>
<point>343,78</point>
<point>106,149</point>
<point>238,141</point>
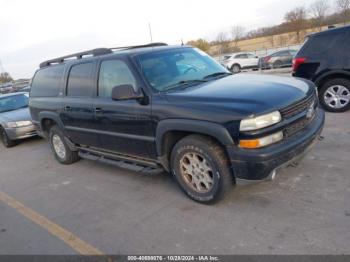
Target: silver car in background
<point>15,119</point>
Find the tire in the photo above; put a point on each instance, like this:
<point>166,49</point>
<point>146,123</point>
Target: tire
<point>334,95</point>
<point>6,141</point>
<point>59,147</point>
<point>194,152</point>
<point>236,68</point>
<point>277,64</point>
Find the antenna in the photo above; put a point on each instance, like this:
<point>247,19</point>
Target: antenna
<point>150,32</point>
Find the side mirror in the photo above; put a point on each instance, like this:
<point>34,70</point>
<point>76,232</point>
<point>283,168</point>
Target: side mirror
<point>256,56</point>
<point>125,92</point>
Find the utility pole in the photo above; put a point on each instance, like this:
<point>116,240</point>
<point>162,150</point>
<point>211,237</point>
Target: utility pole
<point>150,32</point>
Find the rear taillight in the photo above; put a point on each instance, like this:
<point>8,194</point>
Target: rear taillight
<point>297,62</point>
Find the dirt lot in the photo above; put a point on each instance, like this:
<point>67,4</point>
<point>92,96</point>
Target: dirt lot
<point>305,210</point>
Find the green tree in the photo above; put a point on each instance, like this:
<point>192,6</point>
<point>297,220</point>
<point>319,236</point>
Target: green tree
<point>201,44</point>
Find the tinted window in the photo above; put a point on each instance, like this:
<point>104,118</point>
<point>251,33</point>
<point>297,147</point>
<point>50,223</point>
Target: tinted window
<point>241,56</point>
<point>114,73</point>
<point>46,82</point>
<point>80,80</point>
<point>15,102</point>
<point>250,56</point>
<point>322,43</point>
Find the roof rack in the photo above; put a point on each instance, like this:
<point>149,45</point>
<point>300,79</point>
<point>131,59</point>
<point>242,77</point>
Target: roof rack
<point>139,46</point>
<point>94,52</point>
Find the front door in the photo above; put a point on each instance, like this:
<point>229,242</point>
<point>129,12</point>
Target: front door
<point>124,126</point>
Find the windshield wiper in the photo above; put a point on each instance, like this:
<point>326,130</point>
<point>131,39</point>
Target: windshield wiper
<point>184,83</point>
<point>217,74</point>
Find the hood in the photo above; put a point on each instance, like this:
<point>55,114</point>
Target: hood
<point>22,114</point>
<point>247,94</point>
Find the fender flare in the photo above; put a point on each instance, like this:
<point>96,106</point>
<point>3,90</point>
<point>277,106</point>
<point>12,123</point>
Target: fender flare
<point>50,115</point>
<point>322,76</point>
<point>195,126</point>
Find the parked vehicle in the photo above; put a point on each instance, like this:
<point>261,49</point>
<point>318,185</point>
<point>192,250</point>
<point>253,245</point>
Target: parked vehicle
<point>6,88</point>
<point>277,59</point>
<point>239,61</point>
<point>144,108</point>
<point>15,120</point>
<point>324,59</point>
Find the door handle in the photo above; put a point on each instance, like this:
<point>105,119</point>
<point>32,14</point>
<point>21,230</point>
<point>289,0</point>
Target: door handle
<point>67,108</point>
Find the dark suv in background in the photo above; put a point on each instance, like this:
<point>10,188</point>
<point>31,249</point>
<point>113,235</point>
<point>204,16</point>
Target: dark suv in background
<point>325,59</point>
<point>173,108</point>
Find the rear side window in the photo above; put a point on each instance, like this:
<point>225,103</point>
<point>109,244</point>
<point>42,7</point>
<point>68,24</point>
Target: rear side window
<point>80,80</point>
<point>114,73</point>
<point>322,43</point>
<point>47,82</point>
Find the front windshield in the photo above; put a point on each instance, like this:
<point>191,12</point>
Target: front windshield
<point>164,70</point>
<point>15,102</point>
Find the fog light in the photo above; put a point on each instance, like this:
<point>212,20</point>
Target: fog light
<point>261,142</point>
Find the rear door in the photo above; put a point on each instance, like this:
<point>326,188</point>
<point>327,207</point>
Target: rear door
<point>77,112</point>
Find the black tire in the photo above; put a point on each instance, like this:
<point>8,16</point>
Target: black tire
<point>6,141</point>
<point>208,149</point>
<point>328,86</point>
<point>70,156</point>
<point>277,64</point>
<point>235,68</point>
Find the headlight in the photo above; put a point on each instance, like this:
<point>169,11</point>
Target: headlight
<point>18,124</point>
<point>261,142</point>
<point>260,121</point>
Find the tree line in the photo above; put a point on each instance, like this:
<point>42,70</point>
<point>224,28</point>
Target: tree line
<point>318,14</point>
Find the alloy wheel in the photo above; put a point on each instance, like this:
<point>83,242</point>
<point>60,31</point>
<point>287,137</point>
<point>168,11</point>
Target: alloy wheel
<point>197,172</point>
<point>337,96</point>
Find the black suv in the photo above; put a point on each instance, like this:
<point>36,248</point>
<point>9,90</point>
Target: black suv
<point>325,59</point>
<point>157,107</point>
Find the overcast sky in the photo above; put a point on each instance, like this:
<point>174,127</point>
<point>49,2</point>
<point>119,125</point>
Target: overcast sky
<point>35,30</point>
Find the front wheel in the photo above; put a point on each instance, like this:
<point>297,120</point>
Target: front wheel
<point>6,141</point>
<point>201,168</point>
<point>61,150</point>
<point>235,68</point>
<point>335,95</point>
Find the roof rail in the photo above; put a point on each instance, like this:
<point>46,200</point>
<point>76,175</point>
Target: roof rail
<point>80,55</point>
<point>139,46</point>
<point>95,52</point>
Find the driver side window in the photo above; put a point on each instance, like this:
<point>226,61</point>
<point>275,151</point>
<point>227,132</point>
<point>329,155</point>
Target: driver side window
<point>114,73</point>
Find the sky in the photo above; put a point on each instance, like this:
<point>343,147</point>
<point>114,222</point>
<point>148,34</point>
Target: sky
<point>35,30</point>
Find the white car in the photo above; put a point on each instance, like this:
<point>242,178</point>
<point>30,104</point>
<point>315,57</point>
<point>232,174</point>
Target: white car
<point>238,61</point>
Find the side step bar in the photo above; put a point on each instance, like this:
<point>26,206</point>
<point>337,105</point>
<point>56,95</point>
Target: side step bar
<point>122,161</point>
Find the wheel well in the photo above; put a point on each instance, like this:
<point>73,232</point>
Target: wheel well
<point>321,81</point>
<point>172,137</point>
<point>235,64</point>
<point>46,124</point>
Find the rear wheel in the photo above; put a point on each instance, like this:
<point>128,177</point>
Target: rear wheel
<point>335,95</point>
<point>277,64</point>
<point>201,168</point>
<point>61,150</point>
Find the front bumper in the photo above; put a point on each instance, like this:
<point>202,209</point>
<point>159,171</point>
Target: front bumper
<point>21,132</point>
<point>257,164</point>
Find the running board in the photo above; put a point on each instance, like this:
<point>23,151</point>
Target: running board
<point>126,162</point>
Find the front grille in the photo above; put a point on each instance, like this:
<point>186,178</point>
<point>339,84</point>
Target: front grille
<point>295,127</point>
<point>298,107</point>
